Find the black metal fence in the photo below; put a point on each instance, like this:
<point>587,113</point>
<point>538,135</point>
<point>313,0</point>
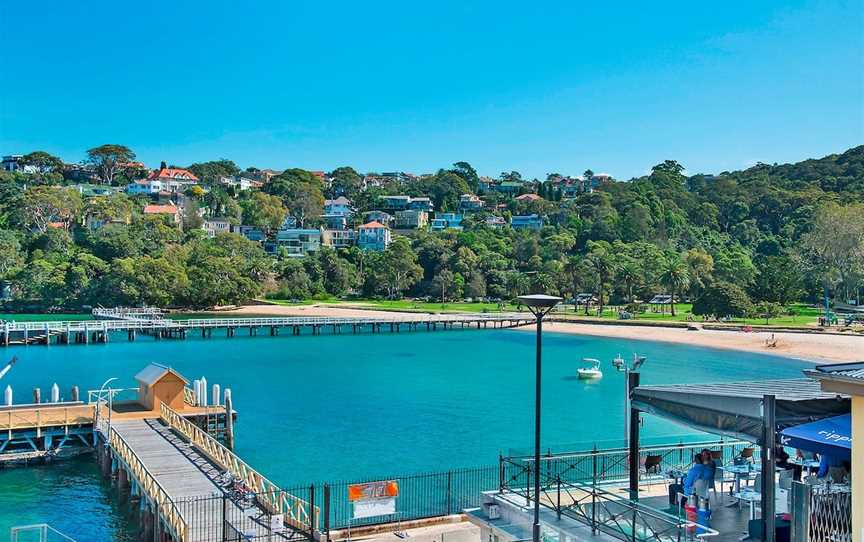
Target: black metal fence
<point>420,496</point>
<point>227,517</point>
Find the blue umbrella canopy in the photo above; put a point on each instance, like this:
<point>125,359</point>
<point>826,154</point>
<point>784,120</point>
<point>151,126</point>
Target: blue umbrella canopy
<point>830,436</point>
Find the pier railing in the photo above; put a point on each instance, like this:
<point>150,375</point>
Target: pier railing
<point>149,485</point>
<point>297,513</point>
<point>192,323</point>
<point>45,415</point>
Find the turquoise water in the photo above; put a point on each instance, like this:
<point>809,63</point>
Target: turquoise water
<point>67,494</point>
<point>344,407</point>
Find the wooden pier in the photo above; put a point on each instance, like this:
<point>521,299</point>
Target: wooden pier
<point>164,459</point>
<point>114,325</point>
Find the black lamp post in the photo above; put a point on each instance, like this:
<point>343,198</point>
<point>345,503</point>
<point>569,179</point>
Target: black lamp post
<point>539,305</point>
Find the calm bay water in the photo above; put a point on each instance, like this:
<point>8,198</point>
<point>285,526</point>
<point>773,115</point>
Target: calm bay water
<point>345,406</point>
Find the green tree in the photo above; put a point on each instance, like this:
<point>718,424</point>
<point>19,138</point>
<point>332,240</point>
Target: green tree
<point>723,299</point>
<point>46,204</point>
<point>11,254</point>
<point>400,269</point>
<point>601,263</point>
<point>263,211</point>
<point>109,160</point>
<point>300,191</point>
<point>210,172</point>
<point>675,277</point>
<point>767,310</point>
<point>43,164</point>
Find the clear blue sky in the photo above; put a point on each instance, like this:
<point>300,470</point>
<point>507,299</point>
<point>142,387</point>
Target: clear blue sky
<point>530,86</point>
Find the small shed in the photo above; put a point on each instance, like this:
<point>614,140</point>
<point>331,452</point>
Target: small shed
<point>159,384</point>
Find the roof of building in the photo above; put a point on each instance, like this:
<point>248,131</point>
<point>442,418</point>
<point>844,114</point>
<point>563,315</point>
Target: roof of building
<point>660,299</point>
<point>160,209</point>
<point>154,372</point>
<point>373,224</point>
<point>528,197</point>
<point>851,373</point>
<point>341,200</point>
<point>735,408</point>
<point>173,173</point>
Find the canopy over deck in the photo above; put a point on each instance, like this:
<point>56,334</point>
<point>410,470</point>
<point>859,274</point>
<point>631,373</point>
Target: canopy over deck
<point>735,408</point>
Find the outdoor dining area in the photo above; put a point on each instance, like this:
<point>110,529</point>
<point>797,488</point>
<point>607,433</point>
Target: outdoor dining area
<point>791,483</point>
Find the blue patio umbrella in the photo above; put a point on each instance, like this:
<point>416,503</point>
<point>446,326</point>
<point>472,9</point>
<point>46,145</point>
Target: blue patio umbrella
<point>829,436</point>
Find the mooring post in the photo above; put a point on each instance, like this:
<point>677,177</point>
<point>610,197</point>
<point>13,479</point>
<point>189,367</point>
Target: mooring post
<point>75,394</point>
<point>37,396</point>
<point>229,419</point>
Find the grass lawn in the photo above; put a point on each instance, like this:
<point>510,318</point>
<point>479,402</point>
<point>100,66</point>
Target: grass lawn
<point>805,314</point>
<point>408,305</point>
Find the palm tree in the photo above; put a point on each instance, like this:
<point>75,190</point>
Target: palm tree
<point>628,273</point>
<point>599,260</point>
<point>674,276</point>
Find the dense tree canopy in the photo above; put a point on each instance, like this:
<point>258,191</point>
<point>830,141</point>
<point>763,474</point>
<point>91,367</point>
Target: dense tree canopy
<point>749,241</point>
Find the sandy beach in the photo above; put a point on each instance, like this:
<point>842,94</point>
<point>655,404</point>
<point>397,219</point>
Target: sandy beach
<point>816,347</point>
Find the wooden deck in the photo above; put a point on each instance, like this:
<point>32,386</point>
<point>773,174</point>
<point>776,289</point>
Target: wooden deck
<point>186,475</point>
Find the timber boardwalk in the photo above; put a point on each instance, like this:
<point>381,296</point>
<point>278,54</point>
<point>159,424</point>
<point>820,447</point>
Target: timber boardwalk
<point>119,322</point>
<point>161,453</point>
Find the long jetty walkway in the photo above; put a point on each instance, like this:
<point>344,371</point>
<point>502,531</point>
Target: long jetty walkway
<point>131,322</point>
<point>162,453</point>
<point>179,471</point>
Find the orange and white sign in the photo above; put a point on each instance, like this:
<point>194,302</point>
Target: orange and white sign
<point>373,498</point>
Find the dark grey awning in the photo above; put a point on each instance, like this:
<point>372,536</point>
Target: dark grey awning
<point>735,408</point>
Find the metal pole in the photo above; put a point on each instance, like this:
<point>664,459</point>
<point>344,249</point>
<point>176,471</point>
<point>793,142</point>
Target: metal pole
<point>632,383</point>
<point>626,407</point>
<point>768,436</point>
<point>537,372</point>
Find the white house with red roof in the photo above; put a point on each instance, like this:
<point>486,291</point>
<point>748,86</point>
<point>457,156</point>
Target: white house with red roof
<point>167,179</point>
<point>373,236</point>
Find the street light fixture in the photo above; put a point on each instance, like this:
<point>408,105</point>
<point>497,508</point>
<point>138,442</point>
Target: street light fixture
<point>539,305</point>
<point>623,367</point>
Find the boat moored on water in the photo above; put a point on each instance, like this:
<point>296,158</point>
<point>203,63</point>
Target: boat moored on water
<point>592,372</point>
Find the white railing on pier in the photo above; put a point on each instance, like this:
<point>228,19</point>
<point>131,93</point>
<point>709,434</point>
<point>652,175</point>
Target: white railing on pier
<point>199,323</point>
<point>295,511</point>
<point>42,529</point>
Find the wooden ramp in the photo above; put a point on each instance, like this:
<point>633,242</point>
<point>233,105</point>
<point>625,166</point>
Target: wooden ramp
<point>186,475</point>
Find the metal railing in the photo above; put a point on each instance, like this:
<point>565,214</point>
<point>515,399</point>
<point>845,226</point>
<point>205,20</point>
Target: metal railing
<point>148,484</point>
<point>599,466</point>
<point>197,323</point>
<point>614,515</point>
<point>297,513</point>
<point>821,513</point>
<point>226,516</point>
<point>570,485</point>
<point>44,531</point>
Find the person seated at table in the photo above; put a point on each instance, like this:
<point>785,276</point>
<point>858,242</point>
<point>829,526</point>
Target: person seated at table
<point>697,479</point>
<point>831,466</point>
<point>781,458</point>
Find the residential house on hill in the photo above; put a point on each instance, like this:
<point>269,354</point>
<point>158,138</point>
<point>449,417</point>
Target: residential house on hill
<point>216,225</point>
<point>299,242</point>
<point>412,220</point>
<point>339,206</point>
<point>249,232</point>
<point>171,211</point>
<point>421,204</point>
<point>373,236</point>
<point>528,197</point>
<point>526,222</point>
<point>378,216</point>
<point>445,221</point>
<point>338,238</point>
<point>469,203</point>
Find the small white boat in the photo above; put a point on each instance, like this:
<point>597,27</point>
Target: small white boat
<point>590,373</point>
